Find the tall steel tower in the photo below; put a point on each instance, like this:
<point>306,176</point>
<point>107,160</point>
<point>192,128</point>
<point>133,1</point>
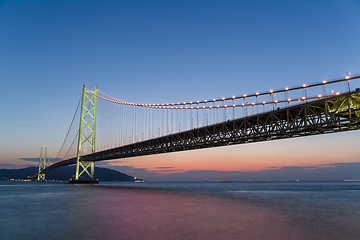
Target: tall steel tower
<point>87,130</point>
<point>42,164</point>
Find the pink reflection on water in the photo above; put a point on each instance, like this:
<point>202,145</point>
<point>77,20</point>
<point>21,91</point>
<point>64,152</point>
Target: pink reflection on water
<point>122,213</point>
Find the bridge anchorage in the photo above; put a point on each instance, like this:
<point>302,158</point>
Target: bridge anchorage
<point>130,129</point>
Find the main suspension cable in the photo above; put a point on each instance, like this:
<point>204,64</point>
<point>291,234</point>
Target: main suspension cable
<point>72,121</point>
<point>77,134</point>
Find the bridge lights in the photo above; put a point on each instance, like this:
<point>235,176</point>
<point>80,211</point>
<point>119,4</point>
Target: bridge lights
<point>233,97</point>
<point>319,96</point>
<point>257,93</point>
<point>305,89</point>
<point>245,95</point>
<point>324,82</point>
<point>347,75</point>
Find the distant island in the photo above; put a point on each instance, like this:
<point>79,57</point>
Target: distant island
<point>62,174</point>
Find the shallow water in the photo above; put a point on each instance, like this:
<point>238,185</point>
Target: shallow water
<point>188,210</point>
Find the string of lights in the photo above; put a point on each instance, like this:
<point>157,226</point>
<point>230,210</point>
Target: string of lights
<point>189,105</point>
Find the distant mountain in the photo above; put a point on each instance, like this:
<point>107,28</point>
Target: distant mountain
<point>64,174</point>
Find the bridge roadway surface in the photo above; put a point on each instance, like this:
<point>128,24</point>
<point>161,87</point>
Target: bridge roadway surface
<point>326,115</point>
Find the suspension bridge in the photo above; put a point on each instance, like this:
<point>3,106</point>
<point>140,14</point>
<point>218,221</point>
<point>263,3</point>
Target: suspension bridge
<point>110,128</point>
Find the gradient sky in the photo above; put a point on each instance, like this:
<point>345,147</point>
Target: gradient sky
<point>172,51</point>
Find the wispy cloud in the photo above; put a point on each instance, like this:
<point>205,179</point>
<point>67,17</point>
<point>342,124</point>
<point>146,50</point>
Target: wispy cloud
<point>106,163</point>
<point>170,170</point>
<point>7,165</point>
<point>37,159</point>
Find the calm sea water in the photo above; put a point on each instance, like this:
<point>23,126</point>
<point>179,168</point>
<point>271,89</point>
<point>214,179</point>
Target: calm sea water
<point>191,210</point>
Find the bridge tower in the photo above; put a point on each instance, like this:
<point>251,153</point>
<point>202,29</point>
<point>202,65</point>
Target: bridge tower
<point>42,164</point>
<point>87,134</point>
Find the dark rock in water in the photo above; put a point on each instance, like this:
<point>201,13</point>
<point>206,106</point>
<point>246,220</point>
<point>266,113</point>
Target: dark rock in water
<point>63,174</point>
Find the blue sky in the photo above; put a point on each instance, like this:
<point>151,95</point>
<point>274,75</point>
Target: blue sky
<point>163,51</point>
